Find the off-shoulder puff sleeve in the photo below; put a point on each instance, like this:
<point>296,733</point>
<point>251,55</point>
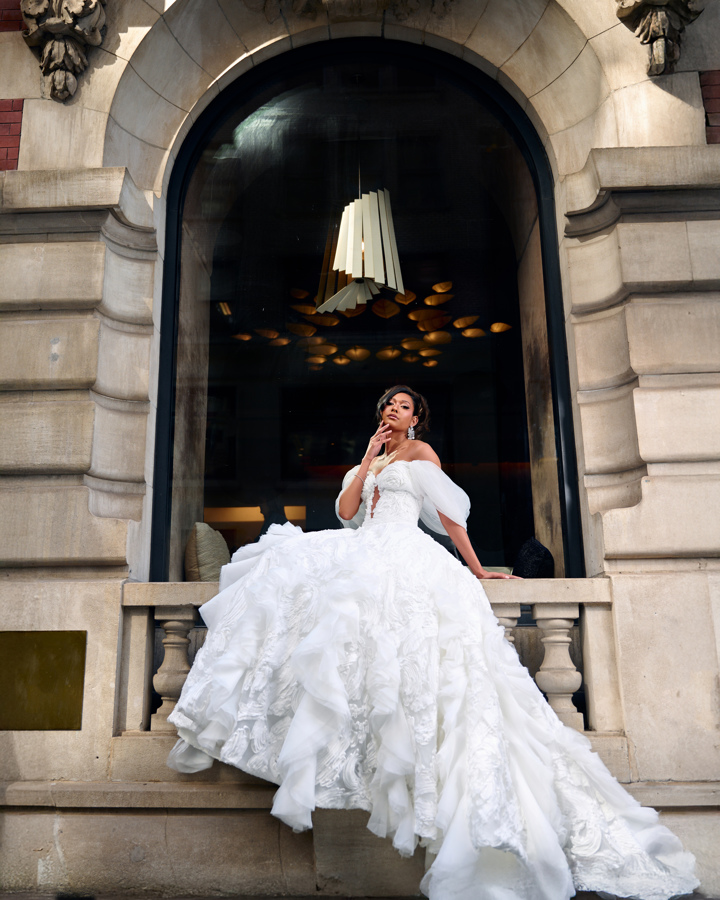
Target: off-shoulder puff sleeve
<point>359,516</point>
<point>440,494</point>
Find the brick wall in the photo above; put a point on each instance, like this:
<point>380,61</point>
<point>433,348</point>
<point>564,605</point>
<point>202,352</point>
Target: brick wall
<point>710,84</point>
<point>10,128</point>
<point>10,17</point>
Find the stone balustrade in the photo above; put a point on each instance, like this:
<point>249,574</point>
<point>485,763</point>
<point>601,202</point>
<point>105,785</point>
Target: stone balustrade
<point>556,605</point>
<point>176,622</point>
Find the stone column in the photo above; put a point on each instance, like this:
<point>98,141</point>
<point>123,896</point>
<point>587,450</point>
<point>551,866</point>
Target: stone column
<point>170,678</point>
<point>507,615</point>
<point>558,677</point>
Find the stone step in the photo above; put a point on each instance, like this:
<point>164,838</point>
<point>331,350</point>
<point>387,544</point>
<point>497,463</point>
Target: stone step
<point>581,895</point>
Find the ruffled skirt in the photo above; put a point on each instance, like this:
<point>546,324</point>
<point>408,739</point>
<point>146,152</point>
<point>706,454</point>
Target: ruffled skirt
<point>365,669</point>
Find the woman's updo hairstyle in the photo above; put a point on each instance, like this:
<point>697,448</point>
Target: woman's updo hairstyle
<point>420,407</point>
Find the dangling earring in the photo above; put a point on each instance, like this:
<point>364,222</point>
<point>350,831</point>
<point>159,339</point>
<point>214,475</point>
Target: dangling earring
<point>411,433</point>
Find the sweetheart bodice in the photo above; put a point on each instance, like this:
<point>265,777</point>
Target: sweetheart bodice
<point>407,489</point>
<point>398,498</point>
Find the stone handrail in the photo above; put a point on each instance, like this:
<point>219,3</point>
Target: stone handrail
<point>556,604</point>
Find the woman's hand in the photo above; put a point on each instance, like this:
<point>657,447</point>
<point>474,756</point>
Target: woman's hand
<point>483,573</point>
<point>377,442</point>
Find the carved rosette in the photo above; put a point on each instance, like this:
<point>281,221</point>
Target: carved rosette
<point>63,30</point>
<point>660,24</point>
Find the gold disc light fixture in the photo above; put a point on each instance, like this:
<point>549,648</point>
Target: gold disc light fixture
<point>364,255</point>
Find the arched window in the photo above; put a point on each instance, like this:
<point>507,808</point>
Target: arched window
<point>264,403</point>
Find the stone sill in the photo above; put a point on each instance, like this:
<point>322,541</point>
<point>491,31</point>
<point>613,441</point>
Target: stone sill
<point>133,795</point>
<point>157,795</point>
<point>587,591</point>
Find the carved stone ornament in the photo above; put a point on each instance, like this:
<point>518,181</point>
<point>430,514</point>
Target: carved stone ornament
<point>347,9</point>
<point>63,30</point>
<point>659,23</point>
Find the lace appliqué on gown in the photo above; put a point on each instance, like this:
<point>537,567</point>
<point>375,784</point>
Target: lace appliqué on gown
<point>363,668</point>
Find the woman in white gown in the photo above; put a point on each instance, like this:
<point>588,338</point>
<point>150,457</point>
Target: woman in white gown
<point>363,668</point>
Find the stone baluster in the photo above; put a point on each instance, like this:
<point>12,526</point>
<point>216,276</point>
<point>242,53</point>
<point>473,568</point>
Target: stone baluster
<point>507,615</point>
<point>557,676</point>
<point>170,677</point>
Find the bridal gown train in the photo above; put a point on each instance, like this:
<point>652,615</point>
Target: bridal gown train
<point>364,668</point>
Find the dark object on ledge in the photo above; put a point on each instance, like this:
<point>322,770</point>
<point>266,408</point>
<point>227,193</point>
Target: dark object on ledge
<point>534,561</point>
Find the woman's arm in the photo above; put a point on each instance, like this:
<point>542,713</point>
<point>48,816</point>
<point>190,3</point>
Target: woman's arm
<point>349,500</point>
<point>458,534</point>
<point>460,538</point>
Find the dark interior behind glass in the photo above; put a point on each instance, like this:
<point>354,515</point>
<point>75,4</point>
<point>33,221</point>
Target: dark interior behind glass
<point>283,426</point>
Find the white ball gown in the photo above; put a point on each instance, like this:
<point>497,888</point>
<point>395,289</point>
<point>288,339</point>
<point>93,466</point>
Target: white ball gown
<point>364,668</point>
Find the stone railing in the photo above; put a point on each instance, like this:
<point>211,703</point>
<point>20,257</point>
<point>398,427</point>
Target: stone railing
<point>556,605</point>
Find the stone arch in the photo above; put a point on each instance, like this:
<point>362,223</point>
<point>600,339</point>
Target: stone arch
<point>545,53</point>
<point>535,242</point>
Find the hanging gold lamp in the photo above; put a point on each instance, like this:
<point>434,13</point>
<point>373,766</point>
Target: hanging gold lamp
<point>388,353</point>
<point>357,354</point>
<point>465,321</point>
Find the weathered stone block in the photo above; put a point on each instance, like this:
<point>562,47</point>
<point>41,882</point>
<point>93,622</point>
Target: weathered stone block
<point>77,136</point>
<point>503,27</point>
<point>596,278</point>
<point>656,253</point>
<point>123,368</point>
<point>649,115</point>
<point>170,89</point>
<point>699,831</point>
<point>63,275</point>
<point>678,424</point>
<point>142,756</point>
<point>352,861</point>
<point>48,353</point>
<point>677,517</point>
<point>128,288</point>
<point>204,34</point>
<point>704,241</point>
<point>90,606</point>
<point>19,72</point>
<point>105,187</point>
<point>118,451</point>
<point>681,334</point>
<point>602,350</point>
<point>609,433</point>
<point>543,57</point>
<point>613,751</point>
<point>573,96</point>
<point>668,674</point>
<point>600,670</point>
<point>237,853</point>
<point>50,525</point>
<point>46,437</point>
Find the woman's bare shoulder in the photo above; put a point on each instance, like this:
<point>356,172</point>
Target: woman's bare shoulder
<point>423,451</point>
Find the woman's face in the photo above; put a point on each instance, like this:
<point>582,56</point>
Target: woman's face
<point>399,412</point>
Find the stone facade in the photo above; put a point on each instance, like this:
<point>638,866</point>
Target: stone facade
<point>82,237</point>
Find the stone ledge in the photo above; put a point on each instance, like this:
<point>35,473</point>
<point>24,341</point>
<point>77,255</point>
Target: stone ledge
<point>134,795</point>
<point>638,168</point>
<point>99,188</point>
<point>226,795</point>
<point>676,794</point>
<point>584,591</point>
<point>168,593</point>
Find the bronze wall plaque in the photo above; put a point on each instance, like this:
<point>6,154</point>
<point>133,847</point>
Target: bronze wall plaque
<point>42,676</point>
